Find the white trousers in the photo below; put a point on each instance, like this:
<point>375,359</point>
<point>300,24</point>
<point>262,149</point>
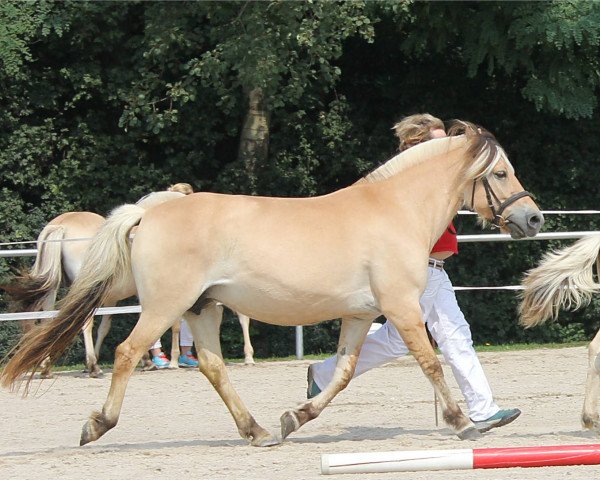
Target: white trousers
<point>450,330</point>
<point>186,338</point>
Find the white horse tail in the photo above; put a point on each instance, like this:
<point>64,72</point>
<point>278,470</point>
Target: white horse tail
<point>106,263</point>
<point>36,290</point>
<point>564,279</point>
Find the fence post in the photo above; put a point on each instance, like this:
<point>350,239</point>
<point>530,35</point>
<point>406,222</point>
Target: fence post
<point>299,342</point>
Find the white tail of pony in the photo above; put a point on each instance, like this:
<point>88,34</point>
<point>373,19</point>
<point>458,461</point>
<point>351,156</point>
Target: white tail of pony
<point>47,268</point>
<point>564,279</point>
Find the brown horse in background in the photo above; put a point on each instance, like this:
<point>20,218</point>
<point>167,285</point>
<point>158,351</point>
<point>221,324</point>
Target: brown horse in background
<point>564,279</point>
<point>355,254</point>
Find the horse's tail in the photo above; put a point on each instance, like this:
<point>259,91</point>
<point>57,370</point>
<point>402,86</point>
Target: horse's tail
<point>36,290</point>
<point>106,263</point>
<point>564,279</point>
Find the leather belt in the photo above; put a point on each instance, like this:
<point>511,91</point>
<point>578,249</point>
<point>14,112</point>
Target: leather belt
<point>438,264</point>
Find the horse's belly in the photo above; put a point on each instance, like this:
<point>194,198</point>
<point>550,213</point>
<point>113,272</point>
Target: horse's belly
<point>296,308</point>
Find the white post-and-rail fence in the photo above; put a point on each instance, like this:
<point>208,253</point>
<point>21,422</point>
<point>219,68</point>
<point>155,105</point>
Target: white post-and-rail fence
<point>494,237</point>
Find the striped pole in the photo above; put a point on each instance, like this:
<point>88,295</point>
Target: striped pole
<point>460,459</point>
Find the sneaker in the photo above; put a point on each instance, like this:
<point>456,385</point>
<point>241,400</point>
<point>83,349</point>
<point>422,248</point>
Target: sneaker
<point>503,417</point>
<point>161,361</point>
<point>187,360</point>
<point>313,389</point>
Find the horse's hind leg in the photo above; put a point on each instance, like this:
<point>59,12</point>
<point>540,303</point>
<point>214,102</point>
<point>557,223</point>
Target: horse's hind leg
<point>205,329</point>
<point>352,336</point>
<point>590,417</point>
<point>248,350</point>
<point>91,361</point>
<point>150,326</point>
<point>46,366</point>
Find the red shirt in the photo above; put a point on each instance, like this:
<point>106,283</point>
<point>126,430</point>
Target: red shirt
<point>447,242</point>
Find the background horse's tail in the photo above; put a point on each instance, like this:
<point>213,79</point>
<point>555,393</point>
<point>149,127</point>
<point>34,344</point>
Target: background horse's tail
<point>106,263</point>
<point>36,290</point>
<point>563,279</point>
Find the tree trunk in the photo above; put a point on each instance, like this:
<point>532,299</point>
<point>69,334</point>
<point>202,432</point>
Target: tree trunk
<point>254,140</point>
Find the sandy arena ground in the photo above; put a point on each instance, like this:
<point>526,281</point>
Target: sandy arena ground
<point>173,425</point>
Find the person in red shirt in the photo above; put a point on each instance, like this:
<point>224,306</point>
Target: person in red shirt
<point>441,313</point>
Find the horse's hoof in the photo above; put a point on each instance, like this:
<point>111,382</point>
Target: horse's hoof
<point>289,424</point>
<point>470,433</point>
<point>96,373</point>
<point>266,441</point>
<point>46,376</point>
<point>87,435</point>
<point>591,422</point>
<point>249,362</point>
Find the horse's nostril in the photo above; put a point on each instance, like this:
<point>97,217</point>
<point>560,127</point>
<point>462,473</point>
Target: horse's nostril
<point>535,220</point>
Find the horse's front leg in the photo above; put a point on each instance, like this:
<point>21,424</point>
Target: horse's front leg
<point>91,361</point>
<point>205,329</point>
<point>175,349</point>
<point>590,417</point>
<point>248,349</point>
<point>150,326</point>
<point>103,329</point>
<point>407,318</point>
<point>352,335</point>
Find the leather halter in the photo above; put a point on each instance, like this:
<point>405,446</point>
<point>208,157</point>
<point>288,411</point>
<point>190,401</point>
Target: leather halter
<point>498,220</point>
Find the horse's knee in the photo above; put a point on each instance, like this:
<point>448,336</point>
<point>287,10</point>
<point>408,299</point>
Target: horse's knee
<point>125,353</point>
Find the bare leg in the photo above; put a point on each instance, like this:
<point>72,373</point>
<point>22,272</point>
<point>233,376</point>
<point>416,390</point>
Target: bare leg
<point>248,350</point>
<point>590,417</point>
<point>412,329</point>
<point>150,326</point>
<point>205,329</point>
<point>352,335</point>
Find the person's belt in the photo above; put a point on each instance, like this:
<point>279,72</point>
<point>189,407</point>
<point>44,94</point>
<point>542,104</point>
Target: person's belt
<point>439,264</point>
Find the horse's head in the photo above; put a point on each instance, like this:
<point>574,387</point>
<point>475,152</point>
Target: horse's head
<point>494,191</point>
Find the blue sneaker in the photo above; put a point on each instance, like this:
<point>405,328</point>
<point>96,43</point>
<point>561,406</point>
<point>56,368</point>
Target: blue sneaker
<point>161,361</point>
<point>503,417</point>
<point>313,389</point>
<point>187,360</point>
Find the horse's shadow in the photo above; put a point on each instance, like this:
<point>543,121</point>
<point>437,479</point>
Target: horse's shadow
<point>360,433</point>
<point>354,434</point>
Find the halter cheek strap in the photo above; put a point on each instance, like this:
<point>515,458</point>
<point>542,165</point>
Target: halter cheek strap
<point>498,220</point>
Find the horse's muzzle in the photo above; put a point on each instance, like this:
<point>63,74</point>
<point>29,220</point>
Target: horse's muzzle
<point>524,222</point>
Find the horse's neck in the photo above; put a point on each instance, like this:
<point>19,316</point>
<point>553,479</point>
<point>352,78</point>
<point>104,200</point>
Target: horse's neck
<point>436,187</point>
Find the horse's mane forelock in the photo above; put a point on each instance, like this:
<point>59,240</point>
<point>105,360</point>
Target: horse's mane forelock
<point>482,146</point>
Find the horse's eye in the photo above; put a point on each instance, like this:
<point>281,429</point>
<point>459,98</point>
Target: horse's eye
<point>500,174</point>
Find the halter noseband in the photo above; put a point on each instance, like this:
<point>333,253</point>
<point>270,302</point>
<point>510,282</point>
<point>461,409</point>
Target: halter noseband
<point>498,220</point>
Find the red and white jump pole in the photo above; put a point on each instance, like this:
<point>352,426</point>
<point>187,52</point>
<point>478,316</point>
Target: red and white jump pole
<point>462,459</point>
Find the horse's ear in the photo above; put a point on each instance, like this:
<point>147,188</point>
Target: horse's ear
<point>461,127</point>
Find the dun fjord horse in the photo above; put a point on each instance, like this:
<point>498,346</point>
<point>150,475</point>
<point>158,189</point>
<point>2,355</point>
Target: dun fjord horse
<point>565,279</point>
<point>356,254</point>
<point>61,246</point>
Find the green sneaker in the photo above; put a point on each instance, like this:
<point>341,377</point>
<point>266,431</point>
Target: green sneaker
<point>503,417</point>
<point>313,389</point>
